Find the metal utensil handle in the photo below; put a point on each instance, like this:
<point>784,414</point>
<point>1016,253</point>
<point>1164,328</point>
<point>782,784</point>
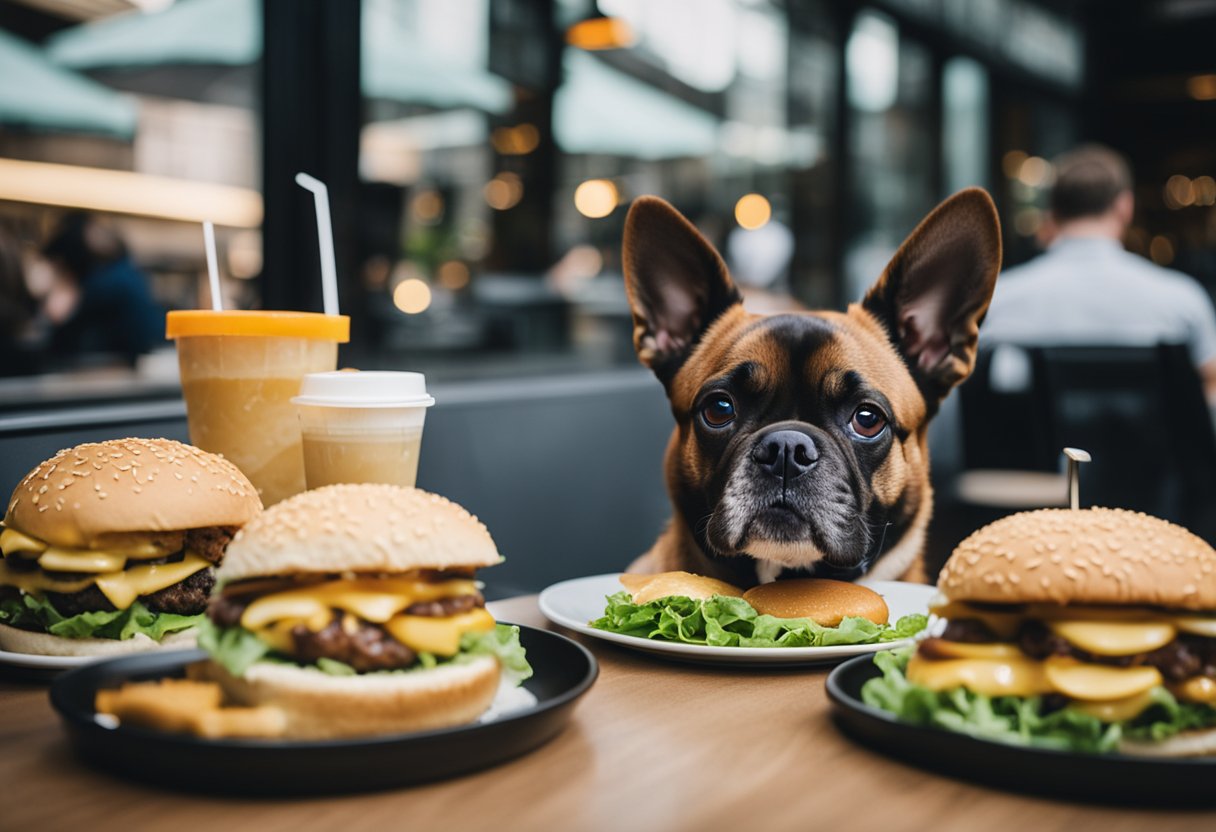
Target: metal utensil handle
<point>1075,457</point>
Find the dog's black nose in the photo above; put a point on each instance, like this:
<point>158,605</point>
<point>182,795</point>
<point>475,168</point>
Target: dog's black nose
<point>786,454</point>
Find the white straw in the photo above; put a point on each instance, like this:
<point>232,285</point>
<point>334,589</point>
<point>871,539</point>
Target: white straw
<point>213,271</point>
<point>325,240</point>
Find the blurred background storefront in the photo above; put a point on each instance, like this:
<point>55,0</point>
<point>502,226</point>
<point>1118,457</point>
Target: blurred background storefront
<point>481,155</point>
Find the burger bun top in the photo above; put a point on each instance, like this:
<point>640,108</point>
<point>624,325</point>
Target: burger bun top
<point>364,528</point>
<point>100,489</point>
<point>1083,556</point>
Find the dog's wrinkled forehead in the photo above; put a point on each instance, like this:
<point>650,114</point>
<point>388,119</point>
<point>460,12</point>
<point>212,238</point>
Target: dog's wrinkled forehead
<point>827,351</point>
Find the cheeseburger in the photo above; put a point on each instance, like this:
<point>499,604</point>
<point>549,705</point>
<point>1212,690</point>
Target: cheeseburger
<point>1085,629</point>
<point>353,609</point>
<point>109,547</point>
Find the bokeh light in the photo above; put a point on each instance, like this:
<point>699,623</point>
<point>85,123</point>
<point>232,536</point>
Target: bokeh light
<point>1035,172</point>
<point>453,275</point>
<point>596,198</point>
<point>1202,87</point>
<point>1161,250</point>
<point>427,207</point>
<point>504,191</point>
<point>1011,163</point>
<point>597,33</point>
<point>1205,190</point>
<point>412,296</point>
<point>1179,192</point>
<point>753,211</point>
<point>515,141</point>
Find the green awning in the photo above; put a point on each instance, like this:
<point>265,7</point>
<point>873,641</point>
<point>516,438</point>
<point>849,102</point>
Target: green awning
<point>38,95</point>
<point>600,110</point>
<point>228,33</point>
<point>210,32</point>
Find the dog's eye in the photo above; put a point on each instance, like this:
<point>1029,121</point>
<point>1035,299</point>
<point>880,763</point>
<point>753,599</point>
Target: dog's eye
<point>718,411</point>
<point>867,421</point>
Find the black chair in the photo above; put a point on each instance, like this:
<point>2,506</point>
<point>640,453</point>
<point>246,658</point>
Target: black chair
<point>1140,411</point>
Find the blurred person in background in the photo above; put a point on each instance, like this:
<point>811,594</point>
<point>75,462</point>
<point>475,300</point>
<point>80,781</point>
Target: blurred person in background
<point>1087,289</point>
<point>102,302</point>
<point>18,312</point>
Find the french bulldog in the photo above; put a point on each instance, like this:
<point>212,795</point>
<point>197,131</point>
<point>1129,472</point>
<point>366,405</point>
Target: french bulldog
<point>800,439</point>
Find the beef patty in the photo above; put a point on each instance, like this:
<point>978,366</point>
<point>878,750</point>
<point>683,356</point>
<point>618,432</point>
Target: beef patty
<point>187,597</point>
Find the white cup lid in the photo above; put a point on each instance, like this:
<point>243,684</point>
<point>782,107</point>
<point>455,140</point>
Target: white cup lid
<point>343,388</point>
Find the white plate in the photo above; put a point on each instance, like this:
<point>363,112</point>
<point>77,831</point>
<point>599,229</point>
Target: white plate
<point>31,661</point>
<point>575,602</point>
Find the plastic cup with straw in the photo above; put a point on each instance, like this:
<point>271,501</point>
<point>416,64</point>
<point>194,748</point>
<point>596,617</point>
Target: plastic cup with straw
<point>240,370</point>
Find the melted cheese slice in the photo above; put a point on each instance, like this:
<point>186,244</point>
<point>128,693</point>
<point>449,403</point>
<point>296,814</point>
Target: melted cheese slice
<point>121,588</point>
<point>647,588</point>
<point>55,559</point>
<point>12,541</point>
<point>36,581</point>
<point>65,559</point>
<point>440,636</point>
<point>372,599</point>
<point>1116,710</point>
<point>1198,689</point>
<point>278,635</point>
<point>1199,625</point>
<point>1099,682</point>
<point>940,648</point>
<point>1003,670</point>
<point>992,677</point>
<point>1115,638</point>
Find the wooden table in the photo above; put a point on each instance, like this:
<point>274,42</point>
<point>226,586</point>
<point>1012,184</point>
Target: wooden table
<point>653,746</point>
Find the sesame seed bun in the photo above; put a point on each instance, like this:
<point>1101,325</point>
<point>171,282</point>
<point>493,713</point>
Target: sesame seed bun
<point>824,601</point>
<point>16,640</point>
<point>129,485</point>
<point>1085,556</point>
<point>320,706</point>
<point>358,528</point>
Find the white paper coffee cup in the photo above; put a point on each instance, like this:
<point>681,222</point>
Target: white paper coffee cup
<point>362,426</point>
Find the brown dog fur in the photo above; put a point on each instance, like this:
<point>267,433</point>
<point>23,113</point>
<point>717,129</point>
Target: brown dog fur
<point>913,337</point>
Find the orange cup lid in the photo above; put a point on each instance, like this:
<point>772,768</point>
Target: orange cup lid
<point>183,323</point>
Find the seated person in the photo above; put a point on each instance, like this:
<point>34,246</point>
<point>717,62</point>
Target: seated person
<point>1087,290</point>
<point>109,306</point>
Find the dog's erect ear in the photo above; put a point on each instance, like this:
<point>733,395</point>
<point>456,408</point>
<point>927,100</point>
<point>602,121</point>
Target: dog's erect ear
<point>676,282</point>
<point>936,289</point>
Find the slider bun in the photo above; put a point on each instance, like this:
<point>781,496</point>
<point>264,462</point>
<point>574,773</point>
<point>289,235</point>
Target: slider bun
<point>824,601</point>
<point>647,588</point>
<point>1083,556</point>
<point>16,640</point>
<point>129,485</point>
<point>358,528</point>
<point>320,706</point>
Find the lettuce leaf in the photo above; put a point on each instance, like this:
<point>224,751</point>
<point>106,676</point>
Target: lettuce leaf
<point>38,614</point>
<point>237,649</point>
<point>503,642</point>
<point>234,648</point>
<point>724,621</point>
<point>1022,720</point>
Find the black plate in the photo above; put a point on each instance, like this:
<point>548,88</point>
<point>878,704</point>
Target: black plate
<point>1105,778</point>
<point>563,671</point>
